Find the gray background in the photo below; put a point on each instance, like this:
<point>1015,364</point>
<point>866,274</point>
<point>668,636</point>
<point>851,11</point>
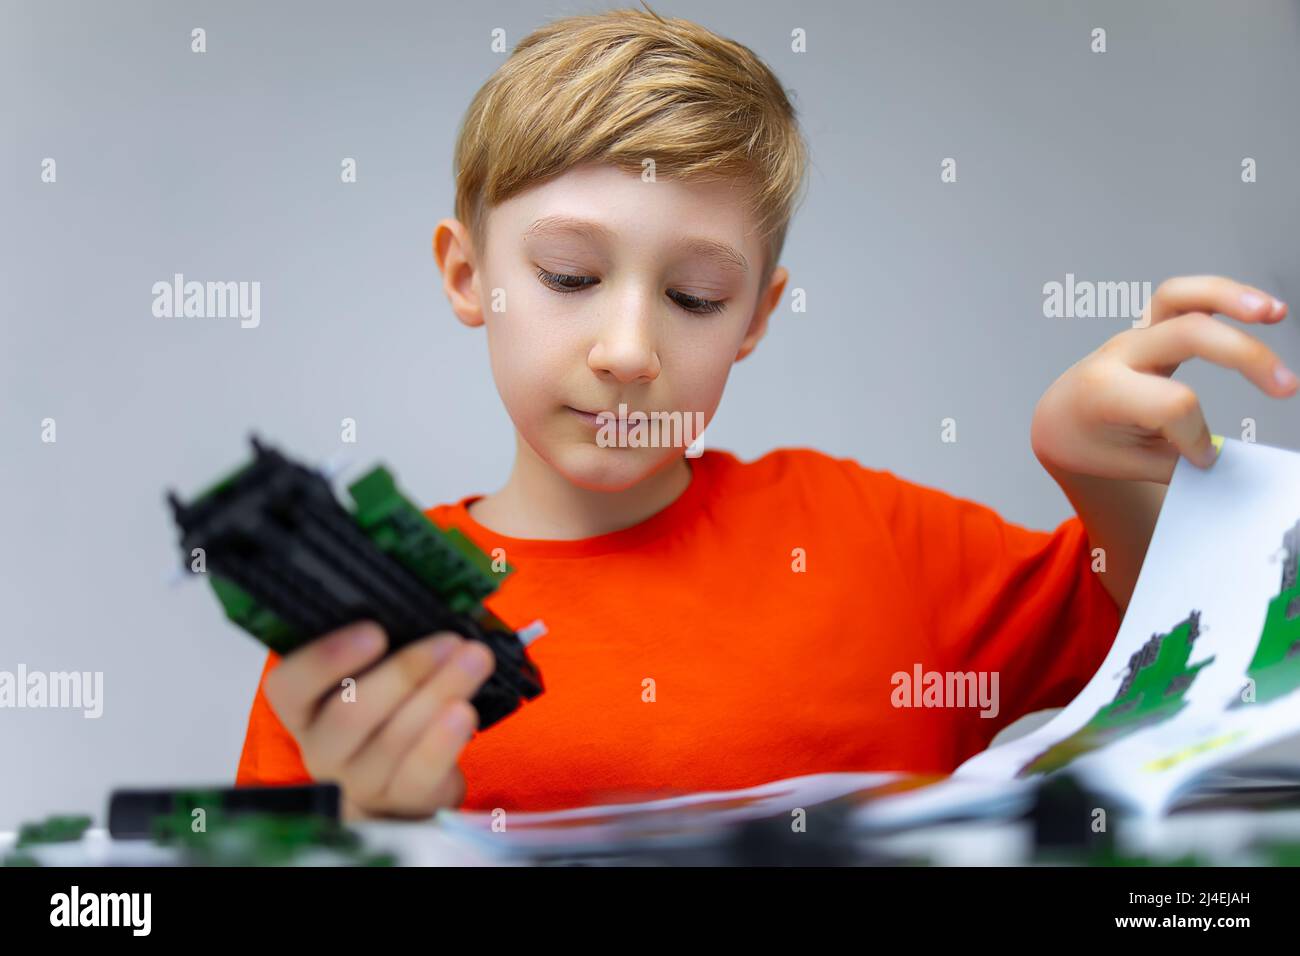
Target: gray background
<point>924,300</point>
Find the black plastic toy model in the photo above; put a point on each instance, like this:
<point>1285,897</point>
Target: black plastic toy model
<point>289,564</point>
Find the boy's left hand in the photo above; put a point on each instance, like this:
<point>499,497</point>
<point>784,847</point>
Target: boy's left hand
<point>1117,413</point>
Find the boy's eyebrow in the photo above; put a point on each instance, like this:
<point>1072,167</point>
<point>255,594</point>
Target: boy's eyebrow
<point>723,254</point>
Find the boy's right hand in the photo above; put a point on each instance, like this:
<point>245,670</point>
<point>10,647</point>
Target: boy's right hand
<point>391,742</point>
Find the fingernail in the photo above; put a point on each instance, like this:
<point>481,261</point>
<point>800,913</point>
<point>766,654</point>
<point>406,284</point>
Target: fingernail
<point>367,638</point>
<point>471,662</point>
<point>440,648</point>
<point>1284,377</point>
<point>1278,305</point>
<point>457,721</point>
<point>1252,300</point>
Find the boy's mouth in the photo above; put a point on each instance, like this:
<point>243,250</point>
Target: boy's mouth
<point>590,416</point>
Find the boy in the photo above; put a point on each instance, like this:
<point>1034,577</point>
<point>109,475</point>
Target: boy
<point>624,184</point>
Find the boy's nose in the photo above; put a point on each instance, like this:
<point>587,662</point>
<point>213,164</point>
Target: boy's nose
<point>625,345</point>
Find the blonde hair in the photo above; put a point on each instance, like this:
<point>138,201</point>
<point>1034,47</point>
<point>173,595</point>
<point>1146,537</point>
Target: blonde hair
<point>623,86</point>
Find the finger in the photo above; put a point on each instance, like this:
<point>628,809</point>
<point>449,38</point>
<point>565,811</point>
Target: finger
<point>294,687</point>
<point>1163,347</point>
<point>1164,408</point>
<point>421,778</point>
<point>453,792</point>
<point>448,792</point>
<point>1214,294</point>
<point>346,720</point>
<point>458,680</point>
<point>1187,431</point>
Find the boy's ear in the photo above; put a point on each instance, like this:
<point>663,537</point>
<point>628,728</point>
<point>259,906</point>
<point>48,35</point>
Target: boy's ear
<point>454,253</point>
<point>767,301</point>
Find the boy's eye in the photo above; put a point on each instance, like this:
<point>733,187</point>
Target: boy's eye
<point>565,284</point>
<point>693,303</point>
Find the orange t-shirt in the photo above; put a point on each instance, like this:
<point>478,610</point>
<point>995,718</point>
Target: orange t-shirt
<point>751,630</point>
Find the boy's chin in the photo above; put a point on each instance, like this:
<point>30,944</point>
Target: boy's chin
<point>608,469</point>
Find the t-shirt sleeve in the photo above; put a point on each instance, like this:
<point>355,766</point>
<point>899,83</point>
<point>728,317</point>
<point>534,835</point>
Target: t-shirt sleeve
<point>997,597</point>
<point>270,755</point>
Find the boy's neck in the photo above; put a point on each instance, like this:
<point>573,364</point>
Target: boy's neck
<point>538,502</point>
